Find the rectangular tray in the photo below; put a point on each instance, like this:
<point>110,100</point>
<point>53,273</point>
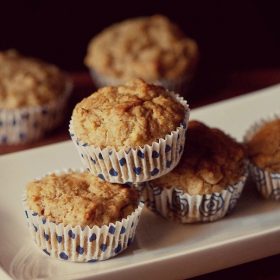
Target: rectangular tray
<point>162,249</point>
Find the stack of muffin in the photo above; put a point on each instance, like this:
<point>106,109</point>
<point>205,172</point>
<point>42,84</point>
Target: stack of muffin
<point>129,137</point>
<point>125,135</point>
<point>138,146</point>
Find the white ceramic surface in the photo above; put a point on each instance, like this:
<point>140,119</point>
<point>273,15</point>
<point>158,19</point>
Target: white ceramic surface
<point>161,249</point>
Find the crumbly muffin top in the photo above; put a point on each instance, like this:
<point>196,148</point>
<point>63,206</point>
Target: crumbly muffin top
<point>211,161</point>
<point>131,115</point>
<point>80,199</point>
<point>149,48</point>
<point>27,81</point>
<point>264,147</point>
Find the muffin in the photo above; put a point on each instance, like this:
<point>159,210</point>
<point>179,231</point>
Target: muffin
<point>33,95</point>
<point>206,183</point>
<point>263,142</point>
<point>75,216</point>
<point>130,133</point>
<point>152,48</point>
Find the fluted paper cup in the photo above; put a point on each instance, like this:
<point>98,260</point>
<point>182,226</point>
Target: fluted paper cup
<point>176,205</point>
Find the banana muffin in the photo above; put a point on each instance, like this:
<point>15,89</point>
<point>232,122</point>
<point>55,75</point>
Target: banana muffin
<point>152,48</point>
<point>33,95</point>
<point>130,126</point>
<point>74,215</point>
<point>263,142</point>
<point>207,181</point>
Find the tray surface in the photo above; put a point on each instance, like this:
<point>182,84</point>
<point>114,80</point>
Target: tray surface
<point>161,248</point>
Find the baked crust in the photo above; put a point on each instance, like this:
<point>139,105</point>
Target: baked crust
<point>210,163</point>
<point>264,147</point>
<point>80,199</point>
<point>28,81</point>
<point>150,48</point>
<point>131,115</point>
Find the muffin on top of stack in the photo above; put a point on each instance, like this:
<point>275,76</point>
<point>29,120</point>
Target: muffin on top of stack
<point>130,133</point>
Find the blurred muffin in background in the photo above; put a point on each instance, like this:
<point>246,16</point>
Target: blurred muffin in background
<point>33,95</point>
<point>263,142</point>
<point>151,48</point>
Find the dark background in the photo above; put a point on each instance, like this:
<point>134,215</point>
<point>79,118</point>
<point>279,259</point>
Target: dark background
<point>237,39</point>
<point>231,34</point>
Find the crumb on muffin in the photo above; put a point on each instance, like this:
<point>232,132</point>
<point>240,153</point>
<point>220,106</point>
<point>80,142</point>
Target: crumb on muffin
<point>210,163</point>
<point>80,199</point>
<point>131,115</point>
<point>150,48</point>
<point>27,81</point>
<point>264,147</point>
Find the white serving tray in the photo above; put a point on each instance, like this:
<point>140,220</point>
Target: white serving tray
<point>162,249</point>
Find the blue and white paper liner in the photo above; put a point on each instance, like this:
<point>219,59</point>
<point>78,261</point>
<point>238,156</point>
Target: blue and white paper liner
<point>179,85</point>
<point>174,204</point>
<point>267,183</point>
<point>137,164</point>
<point>82,244</point>
<point>27,124</point>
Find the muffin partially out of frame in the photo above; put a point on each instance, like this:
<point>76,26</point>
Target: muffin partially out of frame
<point>33,95</point>
<point>130,133</point>
<point>152,48</point>
<point>263,142</point>
<point>206,183</point>
<point>75,216</point>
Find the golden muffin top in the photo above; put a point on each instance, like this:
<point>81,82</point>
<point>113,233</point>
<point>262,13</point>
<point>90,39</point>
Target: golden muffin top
<point>210,163</point>
<point>80,199</point>
<point>130,115</point>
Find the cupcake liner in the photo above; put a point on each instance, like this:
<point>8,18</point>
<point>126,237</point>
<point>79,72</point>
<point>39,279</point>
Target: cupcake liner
<point>179,85</point>
<point>134,165</point>
<point>81,244</point>
<point>174,204</point>
<point>267,183</point>
<point>27,124</point>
